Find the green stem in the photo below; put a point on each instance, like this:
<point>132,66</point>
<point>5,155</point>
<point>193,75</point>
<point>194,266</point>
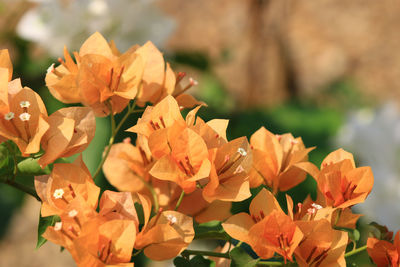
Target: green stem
<point>179,200</point>
<point>153,193</point>
<point>188,252</point>
<point>338,216</point>
<point>355,251</point>
<point>114,131</point>
<point>137,252</point>
<point>23,188</point>
<point>138,110</point>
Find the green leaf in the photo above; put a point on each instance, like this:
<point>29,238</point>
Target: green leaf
<point>240,258</point>
<point>197,261</point>
<point>139,212</point>
<point>210,230</point>
<point>44,222</point>
<point>30,167</point>
<point>200,261</point>
<point>380,232</point>
<point>181,262</point>
<point>354,234</point>
<point>4,156</point>
<point>7,152</point>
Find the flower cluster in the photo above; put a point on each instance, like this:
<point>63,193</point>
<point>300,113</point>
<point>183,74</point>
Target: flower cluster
<point>24,120</point>
<point>181,172</point>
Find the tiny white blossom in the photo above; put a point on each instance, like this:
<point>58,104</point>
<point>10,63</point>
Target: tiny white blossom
<point>24,104</point>
<point>58,226</point>
<point>171,218</point>
<point>25,116</point>
<point>58,193</point>
<point>294,141</point>
<point>9,116</point>
<point>315,205</point>
<point>193,81</point>
<point>72,213</point>
<point>239,169</point>
<point>242,152</point>
<point>311,210</point>
<point>50,69</point>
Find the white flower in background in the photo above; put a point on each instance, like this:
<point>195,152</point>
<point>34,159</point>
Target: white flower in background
<point>374,139</point>
<point>55,23</point>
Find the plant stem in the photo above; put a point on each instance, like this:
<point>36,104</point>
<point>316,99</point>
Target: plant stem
<point>23,188</point>
<point>188,252</point>
<point>137,252</point>
<point>114,131</point>
<point>179,200</point>
<point>338,216</point>
<point>355,251</point>
<point>151,189</point>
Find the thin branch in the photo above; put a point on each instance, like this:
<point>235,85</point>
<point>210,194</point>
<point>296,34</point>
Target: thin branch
<point>355,251</point>
<point>114,131</point>
<point>179,200</point>
<point>23,188</point>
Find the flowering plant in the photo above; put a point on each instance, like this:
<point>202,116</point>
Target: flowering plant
<point>178,181</point>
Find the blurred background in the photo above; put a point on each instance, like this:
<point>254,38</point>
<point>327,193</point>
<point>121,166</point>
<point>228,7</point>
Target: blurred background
<point>325,70</point>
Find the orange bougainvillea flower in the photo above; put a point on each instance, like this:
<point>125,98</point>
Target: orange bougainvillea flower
<point>64,184</point>
<point>321,245</point>
<point>118,205</point>
<point>22,115</point>
<point>5,62</point>
<point>228,180</point>
<point>103,78</point>
<point>62,80</point>
<point>108,243</point>
<point>275,160</point>
<point>95,242</point>
<point>195,205</point>
<point>71,130</point>
<point>166,235</point>
<point>126,166</point>
<point>339,181</point>
<point>160,116</point>
<point>384,253</point>
<point>98,239</point>
<point>159,80</point>
<point>187,160</point>
<point>213,132</point>
<point>314,210</point>
<point>267,229</point>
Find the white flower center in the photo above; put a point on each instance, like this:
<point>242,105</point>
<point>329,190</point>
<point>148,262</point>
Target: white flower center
<point>72,213</point>
<point>171,218</point>
<point>193,82</point>
<point>25,116</point>
<point>50,69</point>
<point>315,205</point>
<point>58,193</point>
<point>242,152</point>
<point>9,116</point>
<point>239,169</point>
<point>58,226</point>
<point>24,104</point>
<point>311,211</point>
